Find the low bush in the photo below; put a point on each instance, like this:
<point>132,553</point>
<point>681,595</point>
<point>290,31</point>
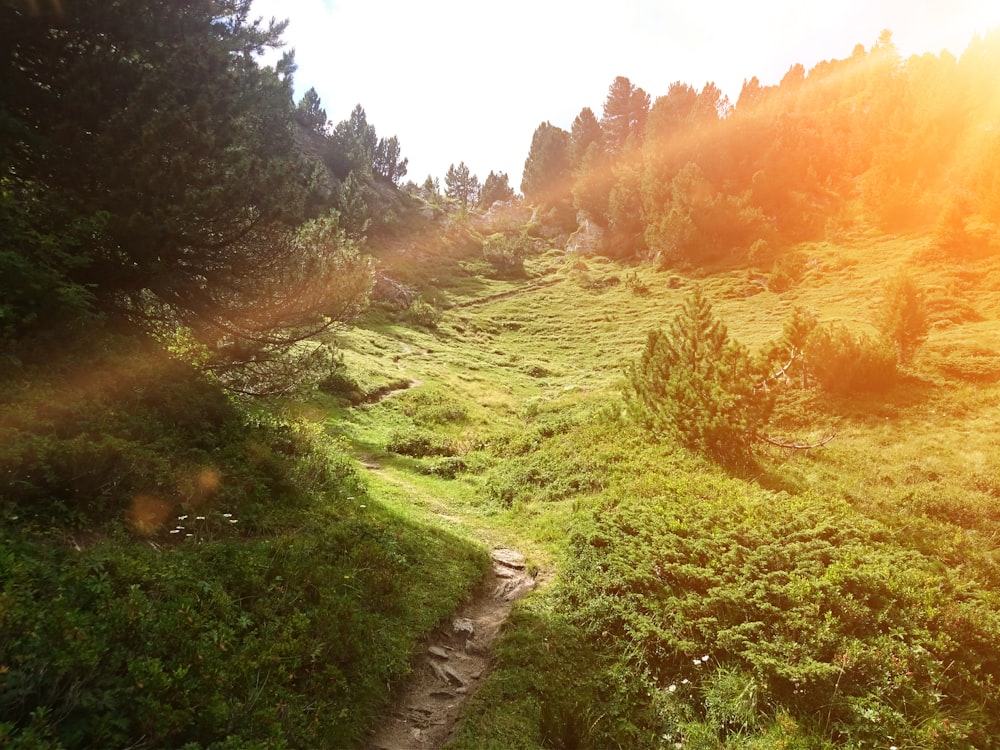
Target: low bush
<point>787,271</point>
<point>418,443</point>
<point>426,406</point>
<point>694,384</point>
<point>845,362</point>
<point>422,313</point>
<point>742,608</point>
<point>506,254</point>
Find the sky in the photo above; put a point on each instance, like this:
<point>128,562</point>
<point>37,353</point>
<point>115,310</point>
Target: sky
<point>465,80</point>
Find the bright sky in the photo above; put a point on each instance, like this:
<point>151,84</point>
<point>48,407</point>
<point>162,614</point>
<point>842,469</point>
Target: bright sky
<point>461,80</point>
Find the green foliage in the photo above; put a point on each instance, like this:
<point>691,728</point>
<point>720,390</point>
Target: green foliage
<point>193,189</point>
<point>506,254</point>
<point>496,188</point>
<point>847,362</point>
<point>353,145</point>
<point>735,608</point>
<point>418,443</point>
<point>697,385</point>
<point>624,114</point>
<point>209,578</point>
<point>546,178</point>
<point>426,406</point>
<point>461,185</point>
<point>902,316</point>
<point>386,162</point>
<point>787,271</point>
<point>422,313</point>
<point>310,113</point>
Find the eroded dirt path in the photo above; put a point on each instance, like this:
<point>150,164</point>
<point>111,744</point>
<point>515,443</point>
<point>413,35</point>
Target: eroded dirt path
<point>453,662</point>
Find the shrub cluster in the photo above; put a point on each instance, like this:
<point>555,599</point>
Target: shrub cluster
<point>740,609</point>
<point>506,254</point>
<point>845,362</point>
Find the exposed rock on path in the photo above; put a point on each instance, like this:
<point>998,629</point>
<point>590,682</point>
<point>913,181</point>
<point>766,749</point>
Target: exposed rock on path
<point>453,662</point>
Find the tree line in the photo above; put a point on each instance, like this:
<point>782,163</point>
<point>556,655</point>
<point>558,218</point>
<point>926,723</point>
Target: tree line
<point>690,175</point>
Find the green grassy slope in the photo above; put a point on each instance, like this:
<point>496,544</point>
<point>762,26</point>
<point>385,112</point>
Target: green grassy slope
<point>843,596</point>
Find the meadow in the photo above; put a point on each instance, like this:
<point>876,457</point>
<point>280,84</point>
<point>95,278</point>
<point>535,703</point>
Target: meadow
<point>837,597</point>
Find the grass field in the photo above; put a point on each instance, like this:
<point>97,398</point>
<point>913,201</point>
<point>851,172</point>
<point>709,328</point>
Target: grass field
<point>511,432</point>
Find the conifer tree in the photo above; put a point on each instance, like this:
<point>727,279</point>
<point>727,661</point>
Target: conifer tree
<point>461,185</point>
<point>310,113</point>
<point>495,188</point>
<point>625,112</point>
<point>697,385</point>
<point>903,315</point>
<point>546,179</point>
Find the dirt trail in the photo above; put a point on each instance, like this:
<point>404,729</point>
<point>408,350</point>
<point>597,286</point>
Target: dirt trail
<point>453,662</point>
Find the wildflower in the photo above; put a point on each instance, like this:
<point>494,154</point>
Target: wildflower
<point>233,520</point>
<point>672,688</point>
<point>182,518</point>
<point>199,518</point>
<point>685,681</point>
<point>227,515</point>
<point>697,662</point>
<point>705,657</point>
<point>189,535</point>
<point>175,531</point>
<point>364,506</point>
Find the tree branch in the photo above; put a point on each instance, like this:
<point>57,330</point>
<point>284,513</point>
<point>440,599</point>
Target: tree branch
<point>798,446</point>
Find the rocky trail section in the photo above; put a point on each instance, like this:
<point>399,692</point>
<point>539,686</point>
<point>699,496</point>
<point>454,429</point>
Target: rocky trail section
<point>453,662</point>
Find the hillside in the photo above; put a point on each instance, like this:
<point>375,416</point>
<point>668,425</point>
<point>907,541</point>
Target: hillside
<point>842,595</point>
<point>692,446</point>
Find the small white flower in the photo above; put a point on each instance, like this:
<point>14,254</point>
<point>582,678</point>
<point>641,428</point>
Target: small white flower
<point>227,515</point>
<point>672,688</point>
<point>364,506</point>
<point>182,518</point>
<point>705,657</point>
<point>189,535</point>
<point>175,531</point>
<point>233,520</point>
<point>697,662</point>
<point>893,747</point>
<point>199,518</point>
<point>685,681</point>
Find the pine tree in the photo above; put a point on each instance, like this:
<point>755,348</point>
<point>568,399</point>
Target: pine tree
<point>902,316</point>
<point>386,162</point>
<point>695,384</point>
<point>495,188</point>
<point>310,114</point>
<point>546,179</point>
<point>625,111</point>
<point>461,185</point>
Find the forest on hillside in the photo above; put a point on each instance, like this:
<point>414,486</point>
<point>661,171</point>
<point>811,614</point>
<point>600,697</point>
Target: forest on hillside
<point>690,176</point>
<point>266,403</point>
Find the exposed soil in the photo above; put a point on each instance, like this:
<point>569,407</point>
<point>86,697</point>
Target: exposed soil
<point>453,662</point>
<point>454,659</point>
